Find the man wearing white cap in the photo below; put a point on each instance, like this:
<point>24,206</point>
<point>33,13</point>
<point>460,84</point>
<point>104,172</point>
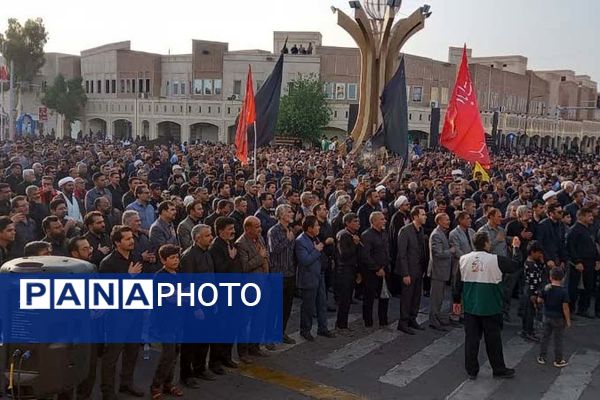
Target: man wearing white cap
<point>382,202</point>
<point>74,207</point>
<point>399,219</point>
<point>550,197</point>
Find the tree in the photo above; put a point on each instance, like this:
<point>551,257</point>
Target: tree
<point>304,110</point>
<point>24,44</point>
<point>65,97</point>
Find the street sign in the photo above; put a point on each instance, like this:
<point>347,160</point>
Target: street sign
<point>43,114</point>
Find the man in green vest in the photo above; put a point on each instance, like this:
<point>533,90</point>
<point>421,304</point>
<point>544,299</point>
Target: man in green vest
<point>480,288</point>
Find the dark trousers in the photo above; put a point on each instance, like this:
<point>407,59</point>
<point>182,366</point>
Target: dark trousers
<point>556,327</point>
<point>490,328</point>
<point>581,299</point>
<point>344,282</point>
<point>314,299</point>
<point>112,351</point>
<point>193,359</point>
<point>86,387</point>
<point>165,370</point>
<point>510,282</point>
<point>220,352</point>
<point>373,285</point>
<point>410,299</point>
<point>289,287</point>
<point>529,312</point>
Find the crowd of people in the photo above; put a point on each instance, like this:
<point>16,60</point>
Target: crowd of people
<point>341,228</point>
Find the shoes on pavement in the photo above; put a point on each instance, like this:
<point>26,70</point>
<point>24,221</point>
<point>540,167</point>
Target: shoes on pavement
<point>286,340</point>
<point>413,324</point>
<point>505,374</point>
<point>131,390</point>
<point>331,308</point>
<point>308,336</point>
<point>406,329</point>
<point>541,360</point>
<point>191,383</point>
<point>531,337</point>
<point>258,353</point>
<point>561,363</point>
<point>173,391</point>
<point>271,346</point>
<point>230,364</point>
<point>327,334</point>
<point>205,375</point>
<point>219,370</point>
<point>472,377</point>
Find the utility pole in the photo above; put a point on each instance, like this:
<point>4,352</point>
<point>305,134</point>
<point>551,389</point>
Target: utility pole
<point>11,102</point>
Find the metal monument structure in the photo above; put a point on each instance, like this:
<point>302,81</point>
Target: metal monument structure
<point>380,42</point>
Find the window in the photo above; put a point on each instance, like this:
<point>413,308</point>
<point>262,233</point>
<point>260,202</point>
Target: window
<point>87,86</point>
<point>208,87</point>
<point>335,114</point>
<point>180,109</point>
<point>99,86</point>
<point>340,91</point>
<point>133,86</point>
<point>328,90</point>
<point>346,115</point>
<point>175,88</point>
<point>228,110</point>
<point>107,86</point>
<point>147,85</point>
<point>407,92</point>
<point>351,91</point>
<point>197,87</point>
<point>209,109</point>
<point>189,109</point>
<point>182,87</point>
<point>410,117</point>
<point>128,83</point>
<point>141,85</point>
<point>113,86</point>
<point>167,93</point>
<point>417,94</point>
<point>435,94</point>
<point>420,117</point>
<point>563,78</point>
<point>444,97</point>
<point>237,88</point>
<point>218,86</point>
<point>218,110</point>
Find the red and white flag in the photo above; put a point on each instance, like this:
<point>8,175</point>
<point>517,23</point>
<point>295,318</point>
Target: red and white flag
<point>247,117</point>
<point>463,132</point>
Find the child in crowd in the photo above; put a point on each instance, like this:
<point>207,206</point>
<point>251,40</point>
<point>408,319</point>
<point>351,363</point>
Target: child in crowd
<point>534,278</point>
<point>165,370</point>
<point>556,315</point>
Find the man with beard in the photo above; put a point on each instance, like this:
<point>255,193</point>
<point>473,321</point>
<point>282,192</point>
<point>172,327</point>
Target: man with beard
<point>184,229</point>
<point>37,209</point>
<point>251,196</point>
<point>55,235</point>
<point>99,190</point>
<point>74,206</point>
<point>27,230</point>
<point>197,260</point>
<point>240,206</point>
<point>224,255</point>
<point>58,207</point>
<point>97,237</point>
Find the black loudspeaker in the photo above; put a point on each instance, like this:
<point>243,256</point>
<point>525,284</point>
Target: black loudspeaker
<point>51,368</point>
<point>434,129</point>
<point>352,114</point>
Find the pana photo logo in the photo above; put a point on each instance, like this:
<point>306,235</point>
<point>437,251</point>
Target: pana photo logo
<point>130,294</point>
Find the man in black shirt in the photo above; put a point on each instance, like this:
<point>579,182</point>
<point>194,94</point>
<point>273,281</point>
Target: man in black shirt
<point>97,236</point>
<point>120,261</point>
<point>346,267</point>
<point>374,260</point>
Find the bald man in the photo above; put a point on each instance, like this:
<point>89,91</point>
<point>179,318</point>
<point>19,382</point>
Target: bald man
<point>253,258</point>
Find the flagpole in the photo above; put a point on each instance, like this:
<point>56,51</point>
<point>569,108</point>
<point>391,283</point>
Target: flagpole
<point>255,145</point>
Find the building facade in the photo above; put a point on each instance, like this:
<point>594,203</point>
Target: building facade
<point>198,96</point>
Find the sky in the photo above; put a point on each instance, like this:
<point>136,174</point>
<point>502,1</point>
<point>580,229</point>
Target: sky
<point>552,34</point>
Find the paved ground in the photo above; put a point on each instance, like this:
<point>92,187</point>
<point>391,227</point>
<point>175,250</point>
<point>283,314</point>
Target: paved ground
<point>385,364</point>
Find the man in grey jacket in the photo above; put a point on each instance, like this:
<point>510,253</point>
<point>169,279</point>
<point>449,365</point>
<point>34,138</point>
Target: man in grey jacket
<point>461,238</point>
<point>440,270</point>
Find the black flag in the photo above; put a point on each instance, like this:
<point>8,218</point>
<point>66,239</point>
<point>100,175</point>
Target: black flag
<point>267,107</point>
<point>394,108</point>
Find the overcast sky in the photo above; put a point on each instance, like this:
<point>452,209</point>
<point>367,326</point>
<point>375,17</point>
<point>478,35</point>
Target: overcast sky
<point>552,34</point>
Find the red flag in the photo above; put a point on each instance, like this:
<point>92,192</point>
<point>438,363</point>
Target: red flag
<point>3,73</point>
<point>463,132</point>
<point>247,117</point>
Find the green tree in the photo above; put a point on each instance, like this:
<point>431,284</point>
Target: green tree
<point>66,97</point>
<point>24,44</point>
<point>304,110</point>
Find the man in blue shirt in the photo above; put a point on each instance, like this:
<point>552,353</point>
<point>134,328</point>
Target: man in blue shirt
<point>143,207</point>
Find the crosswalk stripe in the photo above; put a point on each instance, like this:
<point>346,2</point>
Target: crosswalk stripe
<point>299,339</point>
<point>404,373</point>
<point>485,385</point>
<point>574,378</point>
<point>363,346</point>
